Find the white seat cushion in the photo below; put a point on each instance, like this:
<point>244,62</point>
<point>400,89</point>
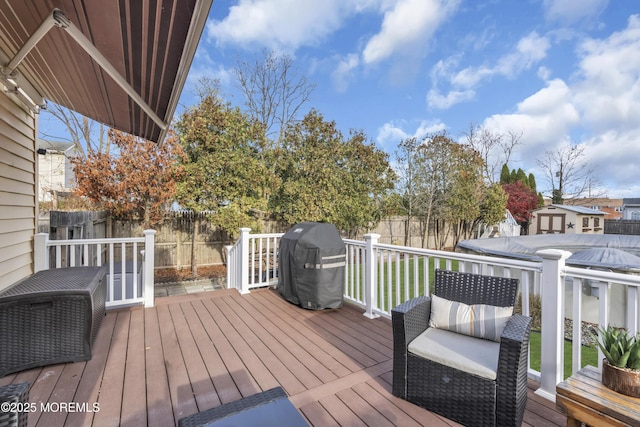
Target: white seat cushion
<point>469,354</point>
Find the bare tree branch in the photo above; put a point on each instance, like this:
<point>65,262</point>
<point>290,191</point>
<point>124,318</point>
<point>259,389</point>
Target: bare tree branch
<point>567,174</point>
<point>488,144</point>
<point>274,91</point>
<point>82,131</point>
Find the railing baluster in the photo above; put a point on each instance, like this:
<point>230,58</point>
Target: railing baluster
<point>357,273</point>
<point>265,260</point>
<point>416,276</point>
<point>427,261</point>
<point>58,256</point>
<point>72,256</point>
<point>135,280</point>
<point>397,284</point>
<point>86,260</point>
<point>632,309</point>
<point>123,271</point>
<point>110,293</point>
<point>98,254</point>
<point>603,296</point>
<point>577,325</point>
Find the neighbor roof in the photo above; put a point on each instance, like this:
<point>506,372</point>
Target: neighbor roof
<point>60,146</point>
<point>147,45</point>
<point>576,209</point>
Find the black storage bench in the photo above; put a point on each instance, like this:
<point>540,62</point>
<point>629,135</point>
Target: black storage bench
<point>17,396</point>
<point>52,316</point>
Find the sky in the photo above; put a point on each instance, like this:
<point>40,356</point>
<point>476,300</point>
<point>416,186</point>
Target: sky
<point>554,71</point>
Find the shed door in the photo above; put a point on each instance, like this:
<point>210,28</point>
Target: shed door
<point>551,223</point>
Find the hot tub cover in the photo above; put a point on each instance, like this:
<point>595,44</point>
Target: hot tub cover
<point>605,251</point>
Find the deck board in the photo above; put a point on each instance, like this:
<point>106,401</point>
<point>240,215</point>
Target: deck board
<point>134,396</point>
<point>159,413</point>
<point>113,378</point>
<point>190,353</point>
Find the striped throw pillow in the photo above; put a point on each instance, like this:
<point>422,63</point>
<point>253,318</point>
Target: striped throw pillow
<point>477,320</point>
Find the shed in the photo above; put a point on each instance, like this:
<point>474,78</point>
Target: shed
<point>565,219</point>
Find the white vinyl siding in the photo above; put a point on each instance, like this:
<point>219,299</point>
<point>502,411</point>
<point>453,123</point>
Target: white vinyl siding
<point>17,191</point>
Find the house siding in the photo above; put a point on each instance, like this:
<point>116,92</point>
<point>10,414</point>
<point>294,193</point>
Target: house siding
<point>18,204</point>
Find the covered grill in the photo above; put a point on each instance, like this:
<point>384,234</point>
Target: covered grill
<point>311,266</point>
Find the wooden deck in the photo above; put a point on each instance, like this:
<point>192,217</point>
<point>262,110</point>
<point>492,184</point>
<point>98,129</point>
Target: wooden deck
<point>193,352</point>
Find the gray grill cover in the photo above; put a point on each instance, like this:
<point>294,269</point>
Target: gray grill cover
<point>311,266</point>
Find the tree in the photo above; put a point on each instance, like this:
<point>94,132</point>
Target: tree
<point>492,207</point>
<point>434,169</point>
<point>522,177</point>
<point>274,91</point>
<point>449,183</point>
<point>139,181</point>
<point>409,183</point>
<point>505,174</point>
<point>223,174</point>
<point>467,188</point>
<point>532,183</point>
<point>327,177</point>
<point>566,172</point>
<point>522,200</point>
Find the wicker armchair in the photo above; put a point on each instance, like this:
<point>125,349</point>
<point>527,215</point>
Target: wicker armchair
<point>458,395</point>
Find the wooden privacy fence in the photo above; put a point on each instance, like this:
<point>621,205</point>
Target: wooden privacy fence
<point>173,240</point>
<point>622,226</point>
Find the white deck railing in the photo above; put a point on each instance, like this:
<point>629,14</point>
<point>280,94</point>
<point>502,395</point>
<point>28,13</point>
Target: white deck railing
<point>130,271</point>
<point>380,276</point>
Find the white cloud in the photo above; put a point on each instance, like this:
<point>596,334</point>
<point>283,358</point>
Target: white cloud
<point>600,109</point>
<point>529,50</point>
<point>205,66</point>
<point>613,155</point>
<point>283,24</point>
<point>608,92</point>
<point>545,119</point>
<point>344,71</point>
<point>435,99</point>
<point>570,11</point>
<point>390,134</point>
<point>407,26</point>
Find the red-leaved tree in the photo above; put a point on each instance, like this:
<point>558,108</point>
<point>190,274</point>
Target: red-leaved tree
<point>138,180</point>
<point>522,200</point>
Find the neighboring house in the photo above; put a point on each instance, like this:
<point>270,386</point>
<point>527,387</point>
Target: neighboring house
<point>612,208</point>
<point>54,169</point>
<point>631,209</point>
<point>565,219</point>
<point>131,80</point>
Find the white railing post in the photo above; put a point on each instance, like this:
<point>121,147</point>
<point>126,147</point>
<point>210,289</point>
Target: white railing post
<point>244,260</point>
<point>230,266</point>
<point>552,350</point>
<point>370,282</point>
<point>149,266</point>
<point>40,252</point>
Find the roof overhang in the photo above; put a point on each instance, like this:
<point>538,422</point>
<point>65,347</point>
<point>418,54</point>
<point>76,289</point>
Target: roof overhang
<point>123,63</point>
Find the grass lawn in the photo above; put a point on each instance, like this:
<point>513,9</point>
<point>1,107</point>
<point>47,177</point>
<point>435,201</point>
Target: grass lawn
<point>589,354</point>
